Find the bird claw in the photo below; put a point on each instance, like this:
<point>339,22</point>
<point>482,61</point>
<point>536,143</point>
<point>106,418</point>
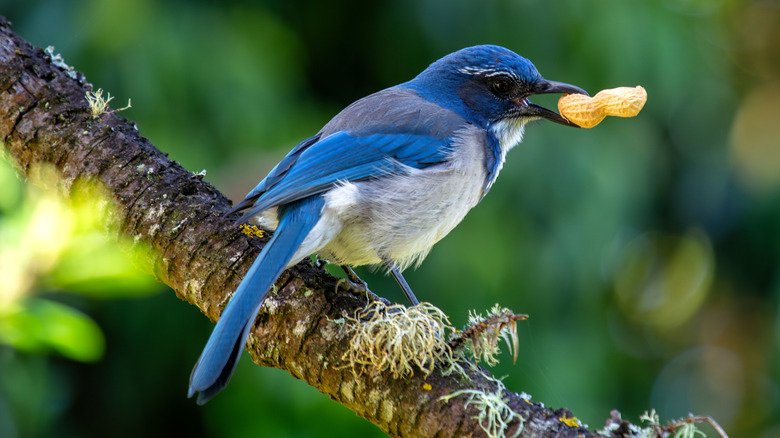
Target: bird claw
<point>352,283</point>
<point>349,286</point>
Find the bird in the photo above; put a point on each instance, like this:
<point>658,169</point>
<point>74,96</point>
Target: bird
<point>382,182</point>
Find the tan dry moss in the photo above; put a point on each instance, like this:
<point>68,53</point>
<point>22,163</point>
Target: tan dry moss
<point>399,340</point>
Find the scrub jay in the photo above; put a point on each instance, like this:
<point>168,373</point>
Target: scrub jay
<point>383,181</point>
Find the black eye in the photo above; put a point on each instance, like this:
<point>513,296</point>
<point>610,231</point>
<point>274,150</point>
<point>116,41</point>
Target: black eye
<point>501,85</point>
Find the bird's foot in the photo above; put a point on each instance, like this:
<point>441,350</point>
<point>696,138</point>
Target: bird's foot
<point>352,283</point>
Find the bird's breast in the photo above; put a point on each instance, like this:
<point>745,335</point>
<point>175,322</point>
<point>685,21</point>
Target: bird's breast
<point>402,216</point>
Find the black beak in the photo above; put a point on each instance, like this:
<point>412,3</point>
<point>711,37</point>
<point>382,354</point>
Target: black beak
<point>544,86</point>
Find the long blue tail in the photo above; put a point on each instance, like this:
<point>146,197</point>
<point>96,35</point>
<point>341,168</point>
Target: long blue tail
<point>220,356</point>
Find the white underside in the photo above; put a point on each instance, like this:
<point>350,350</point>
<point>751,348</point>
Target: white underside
<point>399,217</point>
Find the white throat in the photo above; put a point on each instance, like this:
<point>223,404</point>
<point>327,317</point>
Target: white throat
<point>509,133</point>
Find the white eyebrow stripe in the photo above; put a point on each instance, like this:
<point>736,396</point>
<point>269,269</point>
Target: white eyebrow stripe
<point>503,73</point>
<point>487,72</point>
<point>475,71</point>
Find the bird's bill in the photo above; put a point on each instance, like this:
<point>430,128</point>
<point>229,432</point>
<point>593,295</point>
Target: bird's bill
<point>550,87</point>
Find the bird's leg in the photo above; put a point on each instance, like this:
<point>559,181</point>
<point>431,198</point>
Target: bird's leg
<point>401,281</point>
<point>353,283</point>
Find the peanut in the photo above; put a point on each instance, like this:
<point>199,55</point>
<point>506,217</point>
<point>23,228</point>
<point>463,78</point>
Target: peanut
<point>588,112</point>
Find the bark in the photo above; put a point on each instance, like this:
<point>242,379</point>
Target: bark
<point>45,118</point>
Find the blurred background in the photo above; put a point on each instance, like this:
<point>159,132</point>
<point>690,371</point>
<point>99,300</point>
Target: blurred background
<point>645,250</point>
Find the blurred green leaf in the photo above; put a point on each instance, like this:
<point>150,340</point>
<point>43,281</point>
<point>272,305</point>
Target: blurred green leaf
<point>39,326</point>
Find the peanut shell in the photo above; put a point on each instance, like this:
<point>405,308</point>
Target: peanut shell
<point>588,112</point>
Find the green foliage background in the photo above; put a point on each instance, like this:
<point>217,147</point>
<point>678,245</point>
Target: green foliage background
<point>645,250</point>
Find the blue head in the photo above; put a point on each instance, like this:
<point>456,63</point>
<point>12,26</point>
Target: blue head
<point>488,84</point>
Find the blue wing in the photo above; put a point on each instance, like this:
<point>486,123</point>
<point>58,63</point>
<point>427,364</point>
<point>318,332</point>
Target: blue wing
<point>316,165</point>
<point>382,134</point>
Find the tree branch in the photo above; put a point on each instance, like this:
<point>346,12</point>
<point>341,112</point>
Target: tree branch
<point>45,118</point>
